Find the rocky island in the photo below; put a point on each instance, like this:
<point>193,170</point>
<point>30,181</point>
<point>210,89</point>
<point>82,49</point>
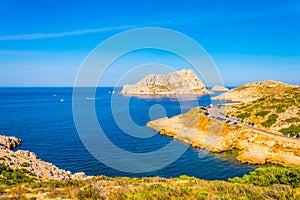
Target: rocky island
<point>273,138</point>
<point>184,82</point>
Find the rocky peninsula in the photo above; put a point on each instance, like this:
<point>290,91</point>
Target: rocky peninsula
<point>253,147</point>
<point>272,108</point>
<point>184,82</point>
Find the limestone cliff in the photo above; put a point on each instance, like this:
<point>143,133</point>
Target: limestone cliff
<point>254,147</point>
<point>184,82</point>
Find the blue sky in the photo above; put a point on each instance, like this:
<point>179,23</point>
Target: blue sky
<point>43,43</point>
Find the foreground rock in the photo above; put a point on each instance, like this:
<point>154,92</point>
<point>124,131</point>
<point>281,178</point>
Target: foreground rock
<point>219,88</point>
<point>28,160</point>
<point>9,142</point>
<point>184,82</point>
<point>254,147</point>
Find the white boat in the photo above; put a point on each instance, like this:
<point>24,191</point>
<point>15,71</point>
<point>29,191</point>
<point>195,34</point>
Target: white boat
<point>62,100</point>
<point>90,98</point>
<point>113,92</point>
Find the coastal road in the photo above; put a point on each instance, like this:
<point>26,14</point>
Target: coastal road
<point>218,113</point>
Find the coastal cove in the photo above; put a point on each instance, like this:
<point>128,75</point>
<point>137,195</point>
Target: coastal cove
<point>45,125</point>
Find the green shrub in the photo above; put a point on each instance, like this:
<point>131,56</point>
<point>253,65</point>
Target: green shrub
<point>262,113</point>
<point>243,115</point>
<point>25,164</point>
<point>280,109</point>
<point>271,176</point>
<point>271,120</point>
<point>292,130</point>
<point>13,177</point>
<point>292,120</point>
<point>274,100</point>
<point>88,193</point>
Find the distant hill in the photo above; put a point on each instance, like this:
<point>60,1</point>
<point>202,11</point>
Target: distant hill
<point>273,105</point>
<point>253,91</point>
<point>184,82</point>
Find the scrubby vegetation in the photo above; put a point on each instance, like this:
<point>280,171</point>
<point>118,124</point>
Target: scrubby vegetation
<point>271,120</point>
<point>263,183</point>
<point>262,113</point>
<point>243,115</point>
<point>278,106</point>
<point>293,130</point>
<point>25,164</point>
<point>269,176</point>
<point>12,177</point>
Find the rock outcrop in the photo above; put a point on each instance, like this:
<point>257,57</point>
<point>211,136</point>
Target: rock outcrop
<point>9,142</point>
<point>254,147</point>
<point>28,160</point>
<point>219,88</point>
<point>184,82</point>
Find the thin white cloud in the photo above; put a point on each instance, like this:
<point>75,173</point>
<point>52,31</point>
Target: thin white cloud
<point>36,36</point>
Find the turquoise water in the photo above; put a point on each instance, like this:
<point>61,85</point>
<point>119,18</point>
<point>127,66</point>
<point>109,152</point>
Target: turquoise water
<point>46,127</point>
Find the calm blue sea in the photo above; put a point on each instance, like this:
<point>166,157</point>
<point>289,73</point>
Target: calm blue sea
<point>46,127</point>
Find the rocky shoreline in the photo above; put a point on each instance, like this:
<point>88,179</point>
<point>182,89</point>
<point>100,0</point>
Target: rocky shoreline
<point>25,159</point>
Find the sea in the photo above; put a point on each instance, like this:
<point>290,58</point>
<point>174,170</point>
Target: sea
<point>42,117</point>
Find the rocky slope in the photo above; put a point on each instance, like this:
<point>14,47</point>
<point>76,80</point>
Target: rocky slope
<point>28,160</point>
<point>219,88</point>
<point>273,106</point>
<point>216,136</point>
<point>253,91</point>
<point>263,183</point>
<point>184,82</point>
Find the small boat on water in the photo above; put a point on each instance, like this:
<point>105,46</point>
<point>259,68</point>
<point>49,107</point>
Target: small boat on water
<point>91,98</point>
<point>62,100</point>
<point>113,92</point>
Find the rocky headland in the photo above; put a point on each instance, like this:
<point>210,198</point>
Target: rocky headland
<point>184,82</point>
<point>272,108</point>
<point>253,146</point>
<point>25,159</point>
